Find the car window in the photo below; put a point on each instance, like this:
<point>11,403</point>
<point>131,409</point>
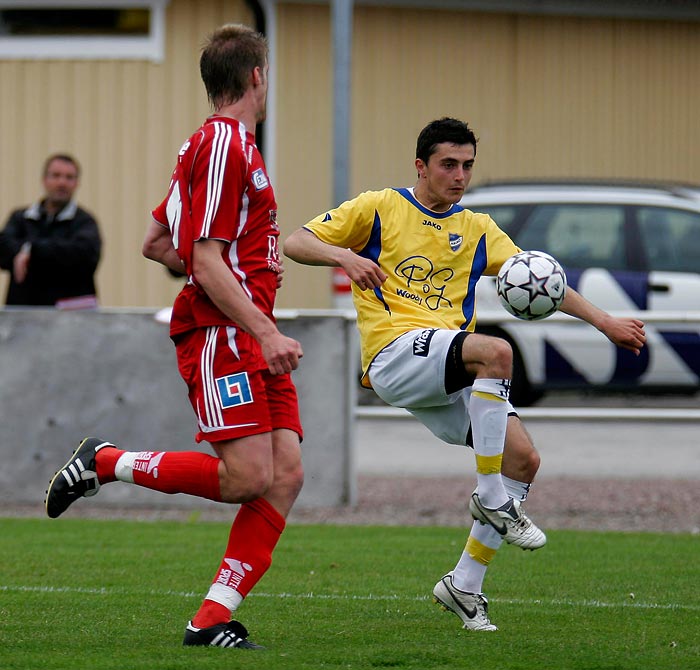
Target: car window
<point>578,236</point>
<point>503,215</point>
<point>671,238</point>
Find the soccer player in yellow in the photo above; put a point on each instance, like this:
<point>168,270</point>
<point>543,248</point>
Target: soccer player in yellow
<point>414,256</point>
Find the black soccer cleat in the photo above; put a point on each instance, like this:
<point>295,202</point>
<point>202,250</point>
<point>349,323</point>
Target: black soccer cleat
<point>76,479</point>
<point>231,634</point>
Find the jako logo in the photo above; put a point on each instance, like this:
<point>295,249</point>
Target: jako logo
<point>421,345</point>
<point>432,224</point>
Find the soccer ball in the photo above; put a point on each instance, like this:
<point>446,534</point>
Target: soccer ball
<point>531,285</point>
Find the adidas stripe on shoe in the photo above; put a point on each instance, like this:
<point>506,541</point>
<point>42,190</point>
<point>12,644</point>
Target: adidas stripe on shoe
<point>76,479</point>
<point>230,635</point>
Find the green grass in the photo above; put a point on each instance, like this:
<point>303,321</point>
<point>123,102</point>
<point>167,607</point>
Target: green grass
<point>104,595</point>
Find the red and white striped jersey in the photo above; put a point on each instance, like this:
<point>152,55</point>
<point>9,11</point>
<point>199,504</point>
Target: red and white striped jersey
<point>220,190</point>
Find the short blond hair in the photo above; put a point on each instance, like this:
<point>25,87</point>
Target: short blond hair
<point>228,57</point>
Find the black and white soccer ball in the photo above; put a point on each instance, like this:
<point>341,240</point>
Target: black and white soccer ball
<point>531,285</point>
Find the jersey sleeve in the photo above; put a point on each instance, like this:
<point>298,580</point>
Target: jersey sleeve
<point>218,186</point>
<point>348,226</point>
<point>159,214</point>
<point>499,247</point>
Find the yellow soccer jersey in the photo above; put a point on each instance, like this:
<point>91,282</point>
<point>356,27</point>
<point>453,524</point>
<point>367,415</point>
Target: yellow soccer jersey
<point>432,260</point>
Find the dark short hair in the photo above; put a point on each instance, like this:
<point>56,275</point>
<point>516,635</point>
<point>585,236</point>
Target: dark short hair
<point>228,57</point>
<point>442,130</point>
<point>66,158</point>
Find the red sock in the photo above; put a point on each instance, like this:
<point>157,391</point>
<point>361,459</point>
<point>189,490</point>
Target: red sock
<point>105,462</point>
<point>178,472</point>
<point>254,535</point>
<point>168,471</point>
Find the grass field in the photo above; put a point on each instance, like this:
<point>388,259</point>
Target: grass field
<point>79,594</point>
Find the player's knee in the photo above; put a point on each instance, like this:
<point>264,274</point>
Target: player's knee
<point>524,465</point>
<point>293,479</point>
<point>521,460</point>
<point>245,488</point>
<point>500,358</point>
<point>531,464</point>
<point>289,470</point>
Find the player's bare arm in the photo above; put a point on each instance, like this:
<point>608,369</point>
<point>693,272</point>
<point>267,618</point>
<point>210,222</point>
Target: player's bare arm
<point>625,332</point>
<point>304,247</point>
<point>158,246</point>
<point>281,353</point>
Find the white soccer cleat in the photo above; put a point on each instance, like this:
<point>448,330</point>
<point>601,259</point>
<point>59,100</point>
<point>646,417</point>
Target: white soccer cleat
<point>471,608</point>
<point>510,522</point>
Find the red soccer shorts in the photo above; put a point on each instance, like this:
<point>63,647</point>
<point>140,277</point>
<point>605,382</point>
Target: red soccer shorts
<point>231,390</point>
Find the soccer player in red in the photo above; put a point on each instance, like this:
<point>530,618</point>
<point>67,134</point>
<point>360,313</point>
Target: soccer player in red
<point>217,225</point>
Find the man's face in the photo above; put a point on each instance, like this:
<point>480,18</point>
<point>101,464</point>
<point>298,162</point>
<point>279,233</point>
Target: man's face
<point>447,174</point>
<point>60,182</point>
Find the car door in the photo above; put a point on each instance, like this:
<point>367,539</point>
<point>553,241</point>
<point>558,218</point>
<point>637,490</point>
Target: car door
<point>590,241</point>
<point>669,241</point>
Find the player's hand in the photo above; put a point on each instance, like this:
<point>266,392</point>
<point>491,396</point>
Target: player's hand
<point>281,353</point>
<point>626,333</point>
<point>279,273</point>
<point>20,265</point>
<point>364,272</point>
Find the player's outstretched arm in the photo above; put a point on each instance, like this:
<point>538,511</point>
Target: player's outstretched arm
<point>304,247</point>
<point>625,332</point>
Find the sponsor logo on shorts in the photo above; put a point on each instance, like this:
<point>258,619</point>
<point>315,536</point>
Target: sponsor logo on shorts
<point>234,390</point>
<point>421,345</point>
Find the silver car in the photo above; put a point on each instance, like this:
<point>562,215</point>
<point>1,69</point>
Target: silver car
<point>630,248</point>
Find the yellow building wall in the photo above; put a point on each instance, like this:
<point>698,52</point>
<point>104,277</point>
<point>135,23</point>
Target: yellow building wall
<point>548,97</point>
<point>125,122</point>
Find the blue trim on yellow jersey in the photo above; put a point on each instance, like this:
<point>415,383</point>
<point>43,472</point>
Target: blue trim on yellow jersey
<point>372,249</point>
<point>406,193</point>
<point>427,258</point>
<point>477,269</point>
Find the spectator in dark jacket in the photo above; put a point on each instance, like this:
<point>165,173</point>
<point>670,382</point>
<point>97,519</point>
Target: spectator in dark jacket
<point>52,248</point>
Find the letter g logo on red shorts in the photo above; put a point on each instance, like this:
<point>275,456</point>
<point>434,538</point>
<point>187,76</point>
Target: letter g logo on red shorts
<point>234,390</point>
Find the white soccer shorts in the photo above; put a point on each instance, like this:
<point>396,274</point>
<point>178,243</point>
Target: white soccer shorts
<point>410,373</point>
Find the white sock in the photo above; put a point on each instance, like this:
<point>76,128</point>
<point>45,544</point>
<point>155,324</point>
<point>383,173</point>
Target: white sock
<point>470,571</point>
<point>515,489</point>
<point>488,413</point>
<point>482,544</point>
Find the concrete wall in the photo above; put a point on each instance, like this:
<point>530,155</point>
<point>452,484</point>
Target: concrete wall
<point>113,374</point>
